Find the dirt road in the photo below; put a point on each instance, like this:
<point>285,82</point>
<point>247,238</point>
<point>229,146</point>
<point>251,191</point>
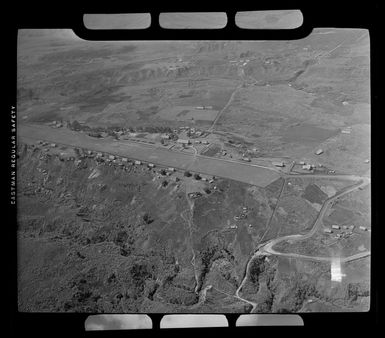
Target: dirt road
<point>266,249</point>
<point>224,108</point>
<point>188,220</point>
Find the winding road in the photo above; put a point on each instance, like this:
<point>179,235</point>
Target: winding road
<point>189,222</point>
<point>266,249</point>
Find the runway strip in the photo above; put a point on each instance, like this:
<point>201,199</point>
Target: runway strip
<point>242,172</point>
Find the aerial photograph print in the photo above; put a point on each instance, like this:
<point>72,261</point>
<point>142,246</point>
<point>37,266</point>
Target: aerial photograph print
<point>194,176</point>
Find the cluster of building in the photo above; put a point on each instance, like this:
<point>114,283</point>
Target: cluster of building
<point>343,231</point>
<point>241,62</point>
<point>309,166</point>
<point>43,143</point>
<point>193,195</point>
<point>55,124</point>
<point>242,214</point>
<point>193,133</point>
<point>206,178</point>
<point>123,162</point>
<point>189,132</point>
<point>346,130</point>
<point>245,155</point>
<point>179,65</point>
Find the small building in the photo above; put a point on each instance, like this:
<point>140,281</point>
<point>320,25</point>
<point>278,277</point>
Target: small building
<point>336,227</point>
<point>183,141</point>
<point>307,167</point>
<point>351,227</point>
<point>205,142</point>
<point>211,181</point>
<point>138,162</point>
<point>233,226</point>
<point>279,164</point>
<point>345,227</point>
<point>151,165</point>
<point>363,228</point>
<point>111,157</point>
<point>319,152</point>
<point>367,161</point>
<point>171,169</point>
<point>246,159</point>
<point>345,131</point>
<point>194,194</point>
<point>124,159</point>
<point>53,145</point>
<point>302,162</point>
<point>197,141</point>
<point>328,230</point>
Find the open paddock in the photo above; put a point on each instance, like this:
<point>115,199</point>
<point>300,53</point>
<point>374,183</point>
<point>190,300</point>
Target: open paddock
<point>187,113</point>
